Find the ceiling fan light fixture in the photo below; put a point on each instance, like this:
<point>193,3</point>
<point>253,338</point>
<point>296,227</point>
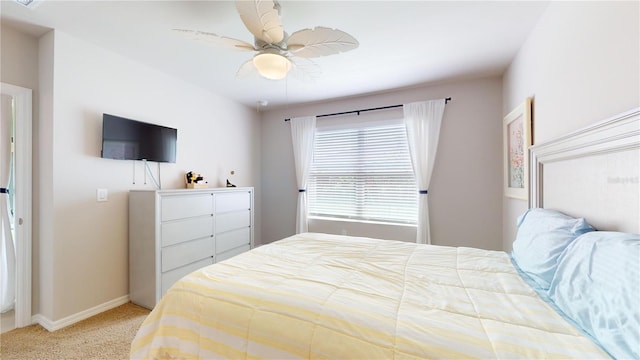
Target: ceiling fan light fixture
<point>271,65</point>
<point>277,52</point>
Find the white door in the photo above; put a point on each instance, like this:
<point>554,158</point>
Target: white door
<point>7,245</point>
<point>22,195</point>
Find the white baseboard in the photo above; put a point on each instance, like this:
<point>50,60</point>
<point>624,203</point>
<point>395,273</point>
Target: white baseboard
<point>72,319</point>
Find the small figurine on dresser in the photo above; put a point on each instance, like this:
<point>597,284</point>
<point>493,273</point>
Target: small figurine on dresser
<point>229,184</point>
<point>195,181</point>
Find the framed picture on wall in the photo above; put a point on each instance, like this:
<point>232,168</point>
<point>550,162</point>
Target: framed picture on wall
<point>517,140</point>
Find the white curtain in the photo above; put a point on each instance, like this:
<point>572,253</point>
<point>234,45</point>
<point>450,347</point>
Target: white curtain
<point>422,120</point>
<point>303,131</point>
<point>7,247</point>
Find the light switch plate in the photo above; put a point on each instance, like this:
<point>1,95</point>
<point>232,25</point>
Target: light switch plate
<point>102,195</point>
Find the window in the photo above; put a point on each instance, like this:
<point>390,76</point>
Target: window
<point>363,173</point>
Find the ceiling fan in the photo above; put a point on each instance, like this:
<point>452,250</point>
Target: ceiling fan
<point>276,51</point>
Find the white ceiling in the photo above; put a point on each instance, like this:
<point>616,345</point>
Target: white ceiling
<point>402,43</point>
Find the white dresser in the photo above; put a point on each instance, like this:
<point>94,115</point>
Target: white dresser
<point>175,232</point>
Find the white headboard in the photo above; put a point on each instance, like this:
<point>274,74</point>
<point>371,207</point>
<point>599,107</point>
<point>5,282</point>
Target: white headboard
<point>592,173</point>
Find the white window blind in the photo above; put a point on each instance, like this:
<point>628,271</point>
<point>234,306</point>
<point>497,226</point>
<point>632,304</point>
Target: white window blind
<point>363,174</point>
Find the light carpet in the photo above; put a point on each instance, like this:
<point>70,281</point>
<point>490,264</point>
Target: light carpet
<point>105,336</point>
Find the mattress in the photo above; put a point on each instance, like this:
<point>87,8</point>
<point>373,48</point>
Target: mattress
<point>327,296</point>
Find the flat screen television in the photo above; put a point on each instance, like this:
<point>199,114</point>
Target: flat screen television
<point>127,139</point>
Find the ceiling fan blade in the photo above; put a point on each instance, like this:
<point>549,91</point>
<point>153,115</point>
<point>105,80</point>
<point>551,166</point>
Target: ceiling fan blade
<point>217,40</point>
<point>247,70</point>
<point>262,19</point>
<point>305,69</point>
<point>320,41</point>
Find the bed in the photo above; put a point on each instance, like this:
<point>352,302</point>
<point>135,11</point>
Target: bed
<point>566,291</point>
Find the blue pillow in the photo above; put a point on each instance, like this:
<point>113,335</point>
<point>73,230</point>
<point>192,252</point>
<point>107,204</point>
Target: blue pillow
<point>597,285</point>
<point>542,236</point>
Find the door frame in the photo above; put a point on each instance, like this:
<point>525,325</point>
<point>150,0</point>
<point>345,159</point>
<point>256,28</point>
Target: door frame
<point>23,197</point>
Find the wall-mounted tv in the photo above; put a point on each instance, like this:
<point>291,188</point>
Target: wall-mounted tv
<point>127,139</point>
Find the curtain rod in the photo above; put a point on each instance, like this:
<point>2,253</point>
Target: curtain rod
<point>446,101</point>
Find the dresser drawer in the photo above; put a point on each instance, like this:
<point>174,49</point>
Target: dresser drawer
<point>232,239</point>
<point>233,220</point>
<point>178,231</point>
<point>185,206</point>
<point>185,253</point>
<point>231,253</point>
<point>233,201</point>
<point>170,277</point>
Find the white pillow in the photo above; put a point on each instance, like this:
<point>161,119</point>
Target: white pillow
<point>597,285</point>
<point>542,236</point>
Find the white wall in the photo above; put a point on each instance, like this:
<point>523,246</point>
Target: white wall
<point>19,58</point>
<point>87,241</point>
<point>46,240</point>
<point>581,64</point>
<point>465,191</point>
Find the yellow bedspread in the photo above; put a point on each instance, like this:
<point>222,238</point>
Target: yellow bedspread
<point>327,296</point>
